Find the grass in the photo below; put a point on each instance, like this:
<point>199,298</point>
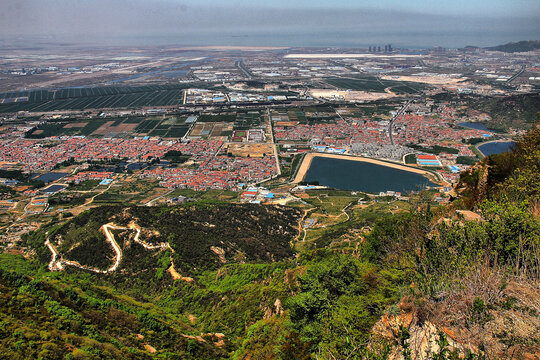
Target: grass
<point>410,159</point>
<point>477,152</point>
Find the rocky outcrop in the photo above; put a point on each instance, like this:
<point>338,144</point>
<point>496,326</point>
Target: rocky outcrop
<point>509,328</point>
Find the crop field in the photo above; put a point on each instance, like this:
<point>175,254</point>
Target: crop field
<point>371,110</point>
<point>217,118</point>
<point>177,131</point>
<point>213,130</point>
<point>297,116</point>
<point>138,125</point>
<point>52,129</point>
<point>158,132</point>
<point>94,98</point>
<point>246,121</point>
<point>372,84</point>
<point>146,126</point>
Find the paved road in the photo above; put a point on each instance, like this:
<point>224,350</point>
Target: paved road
<point>516,74</point>
<point>240,65</point>
<point>398,113</point>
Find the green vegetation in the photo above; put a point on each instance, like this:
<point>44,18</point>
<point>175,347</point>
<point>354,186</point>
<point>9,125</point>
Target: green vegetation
<point>246,121</point>
<point>364,282</point>
<point>84,185</point>
<point>410,159</point>
<point>95,98</point>
<point>176,157</point>
<point>23,178</point>
<point>520,46</point>
<point>473,141</point>
<point>205,224</point>
<point>217,118</point>
<point>435,149</point>
<point>373,84</point>
<point>514,111</point>
<point>466,160</point>
<point>6,191</point>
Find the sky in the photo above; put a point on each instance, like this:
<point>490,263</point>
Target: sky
<point>416,23</point>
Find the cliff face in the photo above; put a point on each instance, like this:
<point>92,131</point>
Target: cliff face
<point>459,326</point>
<point>476,288</point>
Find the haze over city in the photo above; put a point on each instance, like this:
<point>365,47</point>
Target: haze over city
<point>419,23</point>
<point>277,180</point>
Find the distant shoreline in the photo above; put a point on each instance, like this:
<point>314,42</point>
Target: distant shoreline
<point>306,163</point>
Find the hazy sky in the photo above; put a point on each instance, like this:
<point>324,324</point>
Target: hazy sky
<point>276,22</point>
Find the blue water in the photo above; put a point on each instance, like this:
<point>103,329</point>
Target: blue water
<point>362,176</point>
<point>54,188</point>
<point>474,125</point>
<point>50,177</point>
<point>491,148</point>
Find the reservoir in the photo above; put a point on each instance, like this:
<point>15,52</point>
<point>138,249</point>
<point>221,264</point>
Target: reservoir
<point>495,147</point>
<point>363,176</point>
<point>474,125</point>
<point>49,177</point>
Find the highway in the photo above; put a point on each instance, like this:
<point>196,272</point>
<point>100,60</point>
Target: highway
<point>240,65</point>
<point>398,113</point>
<point>516,74</point>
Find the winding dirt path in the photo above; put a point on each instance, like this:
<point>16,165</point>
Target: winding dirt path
<point>57,263</point>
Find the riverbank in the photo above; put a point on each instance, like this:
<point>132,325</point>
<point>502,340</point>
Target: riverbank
<point>306,163</point>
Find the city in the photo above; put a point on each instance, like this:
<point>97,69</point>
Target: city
<point>269,181</point>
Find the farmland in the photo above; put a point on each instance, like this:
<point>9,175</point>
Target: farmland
<point>372,84</point>
<point>246,121</point>
<point>93,98</point>
<point>137,125</point>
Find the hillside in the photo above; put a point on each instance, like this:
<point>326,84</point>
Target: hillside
<point>518,111</point>
<point>381,281</point>
<point>520,46</point>
<point>196,237</point>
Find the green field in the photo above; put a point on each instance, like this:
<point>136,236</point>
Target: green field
<point>372,84</point>
<point>146,126</point>
<point>94,98</point>
<point>177,131</point>
<point>217,118</point>
<point>163,128</point>
<point>246,121</point>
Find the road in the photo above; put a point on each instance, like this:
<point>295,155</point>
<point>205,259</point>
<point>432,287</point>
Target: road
<point>516,74</point>
<point>391,125</point>
<point>151,202</point>
<point>56,264</point>
<point>276,152</point>
<point>240,65</point>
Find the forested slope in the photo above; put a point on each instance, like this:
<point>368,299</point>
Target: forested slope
<point>447,282</point>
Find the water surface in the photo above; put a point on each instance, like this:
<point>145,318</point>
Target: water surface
<point>496,147</point>
<point>474,125</point>
<point>50,177</point>
<point>362,176</point>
